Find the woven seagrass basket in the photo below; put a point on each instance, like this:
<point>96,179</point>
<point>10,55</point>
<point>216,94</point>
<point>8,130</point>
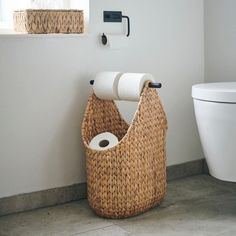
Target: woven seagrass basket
<point>48,21</point>
<point>130,177</point>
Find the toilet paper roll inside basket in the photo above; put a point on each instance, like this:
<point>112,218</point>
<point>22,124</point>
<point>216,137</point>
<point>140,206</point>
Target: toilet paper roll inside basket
<point>103,141</point>
<point>130,85</point>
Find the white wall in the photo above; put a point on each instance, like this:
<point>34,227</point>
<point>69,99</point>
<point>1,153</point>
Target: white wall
<point>220,40</point>
<point>44,85</point>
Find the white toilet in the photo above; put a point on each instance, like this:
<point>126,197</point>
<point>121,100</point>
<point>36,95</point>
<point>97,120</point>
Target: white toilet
<point>215,110</point>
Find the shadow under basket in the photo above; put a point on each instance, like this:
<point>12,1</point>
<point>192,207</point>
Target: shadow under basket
<point>129,178</point>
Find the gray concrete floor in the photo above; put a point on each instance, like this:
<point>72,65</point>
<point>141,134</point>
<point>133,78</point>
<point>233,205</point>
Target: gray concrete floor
<point>195,206</point>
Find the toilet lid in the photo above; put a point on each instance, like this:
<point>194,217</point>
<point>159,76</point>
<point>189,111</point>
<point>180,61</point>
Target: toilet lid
<point>215,92</point>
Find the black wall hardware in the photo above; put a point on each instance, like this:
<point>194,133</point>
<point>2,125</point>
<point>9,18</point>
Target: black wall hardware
<point>104,39</point>
<point>150,85</point>
<point>114,16</point>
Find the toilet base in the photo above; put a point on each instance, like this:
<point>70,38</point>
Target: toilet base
<point>217,129</point>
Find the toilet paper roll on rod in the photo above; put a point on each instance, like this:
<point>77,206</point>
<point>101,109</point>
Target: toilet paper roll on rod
<point>121,86</point>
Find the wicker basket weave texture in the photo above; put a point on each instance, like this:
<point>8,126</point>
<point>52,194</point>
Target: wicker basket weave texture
<point>130,177</point>
<point>49,21</point>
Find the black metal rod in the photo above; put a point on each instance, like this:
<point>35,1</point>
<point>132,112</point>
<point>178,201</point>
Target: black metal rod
<point>154,85</point>
<point>128,25</point>
<point>150,85</point>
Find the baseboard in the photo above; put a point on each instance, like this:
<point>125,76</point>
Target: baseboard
<point>39,199</point>
<point>34,200</point>
<point>186,169</point>
<point>205,167</point>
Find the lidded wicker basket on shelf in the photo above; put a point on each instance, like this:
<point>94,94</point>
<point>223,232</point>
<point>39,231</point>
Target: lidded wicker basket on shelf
<point>45,21</point>
<point>130,177</point>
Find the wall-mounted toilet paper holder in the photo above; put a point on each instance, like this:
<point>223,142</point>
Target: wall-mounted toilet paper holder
<point>150,85</point>
<point>114,16</point>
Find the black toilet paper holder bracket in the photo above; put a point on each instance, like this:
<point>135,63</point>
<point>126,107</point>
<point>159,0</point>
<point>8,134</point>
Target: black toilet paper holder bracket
<point>115,17</point>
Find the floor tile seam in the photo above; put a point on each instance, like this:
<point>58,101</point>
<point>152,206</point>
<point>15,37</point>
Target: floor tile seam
<point>91,230</point>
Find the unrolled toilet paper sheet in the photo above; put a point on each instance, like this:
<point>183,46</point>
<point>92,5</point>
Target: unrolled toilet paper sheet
<point>116,42</point>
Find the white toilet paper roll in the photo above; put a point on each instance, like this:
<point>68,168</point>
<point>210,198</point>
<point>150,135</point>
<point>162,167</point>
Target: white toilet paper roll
<point>130,85</point>
<point>116,41</point>
<point>103,141</point>
<point>106,84</point>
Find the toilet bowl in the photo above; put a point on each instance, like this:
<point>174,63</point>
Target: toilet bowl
<point>215,111</point>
